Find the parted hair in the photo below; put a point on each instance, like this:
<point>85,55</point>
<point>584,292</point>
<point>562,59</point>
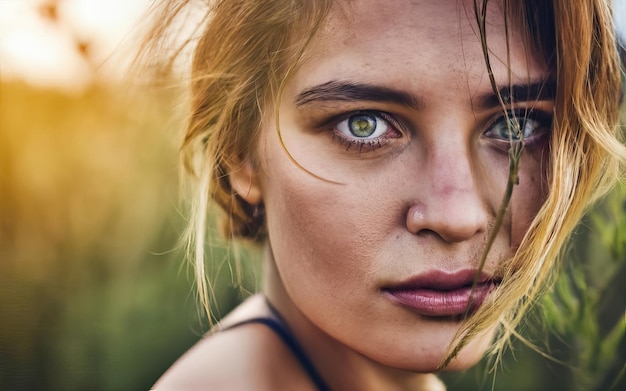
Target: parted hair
<point>244,51</point>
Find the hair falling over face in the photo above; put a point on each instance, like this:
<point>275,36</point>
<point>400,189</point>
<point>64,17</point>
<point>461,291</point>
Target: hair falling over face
<point>245,54</point>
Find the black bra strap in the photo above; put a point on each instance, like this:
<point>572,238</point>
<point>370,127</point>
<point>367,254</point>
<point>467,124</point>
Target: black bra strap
<point>286,336</point>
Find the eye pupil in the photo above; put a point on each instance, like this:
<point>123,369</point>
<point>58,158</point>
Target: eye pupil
<point>362,125</point>
<point>515,128</point>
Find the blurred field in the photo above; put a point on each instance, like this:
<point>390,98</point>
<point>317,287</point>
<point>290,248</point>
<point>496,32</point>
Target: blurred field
<point>94,294</point>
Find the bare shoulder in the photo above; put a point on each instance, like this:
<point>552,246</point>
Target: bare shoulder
<point>246,357</point>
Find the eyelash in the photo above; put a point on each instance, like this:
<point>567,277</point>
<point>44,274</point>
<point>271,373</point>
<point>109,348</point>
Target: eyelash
<point>362,144</point>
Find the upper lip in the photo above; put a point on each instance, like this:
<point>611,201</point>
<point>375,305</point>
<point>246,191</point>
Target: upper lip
<point>444,281</point>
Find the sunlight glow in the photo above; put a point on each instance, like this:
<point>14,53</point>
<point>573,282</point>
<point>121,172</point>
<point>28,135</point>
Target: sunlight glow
<point>41,48</point>
<point>69,45</point>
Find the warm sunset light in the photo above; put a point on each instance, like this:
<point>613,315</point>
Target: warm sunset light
<point>39,39</point>
<point>65,43</point>
<point>102,241</point>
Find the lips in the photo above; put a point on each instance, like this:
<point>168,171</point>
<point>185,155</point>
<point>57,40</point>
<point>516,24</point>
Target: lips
<point>440,294</point>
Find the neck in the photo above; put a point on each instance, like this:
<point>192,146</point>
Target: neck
<point>340,366</point>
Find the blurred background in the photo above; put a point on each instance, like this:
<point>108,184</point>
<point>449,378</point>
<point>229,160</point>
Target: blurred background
<point>94,292</point>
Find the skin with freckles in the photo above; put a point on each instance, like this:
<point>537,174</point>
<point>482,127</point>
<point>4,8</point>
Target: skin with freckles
<point>420,196</point>
<point>403,154</point>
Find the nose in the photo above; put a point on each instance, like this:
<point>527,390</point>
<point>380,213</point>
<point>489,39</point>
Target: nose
<point>451,203</point>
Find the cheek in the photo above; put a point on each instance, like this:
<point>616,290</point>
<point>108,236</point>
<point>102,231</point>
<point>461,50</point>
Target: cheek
<point>530,194</point>
<point>321,233</point>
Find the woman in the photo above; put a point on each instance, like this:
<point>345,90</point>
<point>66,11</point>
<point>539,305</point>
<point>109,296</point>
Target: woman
<point>411,168</point>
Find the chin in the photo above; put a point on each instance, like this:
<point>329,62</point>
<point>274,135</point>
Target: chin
<point>430,362</point>
<point>471,354</point>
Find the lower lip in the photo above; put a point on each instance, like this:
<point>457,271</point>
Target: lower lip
<point>435,303</point>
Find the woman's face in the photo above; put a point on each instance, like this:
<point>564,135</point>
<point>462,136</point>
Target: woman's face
<point>393,107</point>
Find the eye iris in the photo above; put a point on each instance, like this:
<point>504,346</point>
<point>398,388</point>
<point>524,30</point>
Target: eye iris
<point>521,128</point>
<point>514,128</point>
<point>362,125</point>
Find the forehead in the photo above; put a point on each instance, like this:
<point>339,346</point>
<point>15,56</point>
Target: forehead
<point>394,39</point>
<point>440,19</point>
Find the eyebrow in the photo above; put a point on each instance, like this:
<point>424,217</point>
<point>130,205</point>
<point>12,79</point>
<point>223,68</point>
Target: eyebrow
<point>536,91</point>
<point>337,90</point>
<point>351,91</point>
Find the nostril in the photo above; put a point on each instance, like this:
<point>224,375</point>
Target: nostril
<point>426,233</point>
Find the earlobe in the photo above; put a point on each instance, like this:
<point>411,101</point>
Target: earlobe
<point>244,180</point>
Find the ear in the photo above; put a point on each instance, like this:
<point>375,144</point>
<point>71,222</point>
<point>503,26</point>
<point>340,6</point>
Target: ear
<point>244,180</point>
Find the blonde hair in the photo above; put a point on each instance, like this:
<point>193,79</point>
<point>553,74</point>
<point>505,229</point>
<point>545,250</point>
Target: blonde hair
<point>586,152</point>
<point>247,49</point>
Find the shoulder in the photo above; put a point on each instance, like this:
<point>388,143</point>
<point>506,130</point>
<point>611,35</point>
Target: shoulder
<point>246,357</point>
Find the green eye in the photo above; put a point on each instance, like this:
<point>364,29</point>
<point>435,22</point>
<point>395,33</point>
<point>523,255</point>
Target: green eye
<point>366,130</point>
<point>516,126</point>
<point>513,128</point>
<point>364,126</point>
